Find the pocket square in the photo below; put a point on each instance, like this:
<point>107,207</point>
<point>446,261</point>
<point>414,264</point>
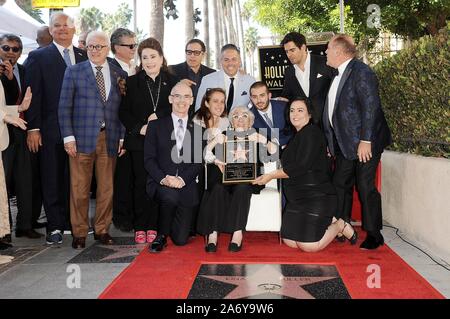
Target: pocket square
<point>244,93</point>
<point>319,75</point>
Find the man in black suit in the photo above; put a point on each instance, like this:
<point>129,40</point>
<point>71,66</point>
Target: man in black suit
<point>123,45</point>
<point>308,76</point>
<point>45,72</point>
<point>357,133</point>
<point>173,160</point>
<point>192,70</point>
<point>17,159</point>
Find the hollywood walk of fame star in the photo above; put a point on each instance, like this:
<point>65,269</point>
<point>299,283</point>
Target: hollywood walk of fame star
<point>122,251</point>
<point>269,280</point>
<point>240,154</point>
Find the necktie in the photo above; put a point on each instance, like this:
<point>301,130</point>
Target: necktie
<point>268,120</point>
<point>67,57</point>
<point>179,134</point>
<point>230,95</point>
<point>100,82</point>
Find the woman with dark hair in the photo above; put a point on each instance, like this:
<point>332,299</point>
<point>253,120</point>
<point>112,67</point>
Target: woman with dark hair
<point>146,99</point>
<point>308,220</point>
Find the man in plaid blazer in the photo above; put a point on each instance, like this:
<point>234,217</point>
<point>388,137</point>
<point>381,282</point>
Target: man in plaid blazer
<point>92,132</point>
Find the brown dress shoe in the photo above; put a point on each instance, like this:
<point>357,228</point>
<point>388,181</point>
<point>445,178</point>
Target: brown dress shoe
<point>104,239</point>
<point>79,242</point>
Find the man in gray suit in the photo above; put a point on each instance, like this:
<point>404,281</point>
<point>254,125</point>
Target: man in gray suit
<point>235,84</point>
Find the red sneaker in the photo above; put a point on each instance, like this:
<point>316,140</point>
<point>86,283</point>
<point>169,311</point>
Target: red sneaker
<point>151,235</point>
<point>139,237</point>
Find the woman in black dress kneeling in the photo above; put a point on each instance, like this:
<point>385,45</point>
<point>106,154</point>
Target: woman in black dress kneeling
<point>308,220</point>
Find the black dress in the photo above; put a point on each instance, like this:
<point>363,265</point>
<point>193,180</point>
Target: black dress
<point>310,195</point>
<point>224,208</point>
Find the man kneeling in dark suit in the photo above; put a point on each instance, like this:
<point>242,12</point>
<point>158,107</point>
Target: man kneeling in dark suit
<point>173,160</point>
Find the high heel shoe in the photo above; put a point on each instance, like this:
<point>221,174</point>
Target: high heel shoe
<point>210,247</point>
<point>234,248</point>
<point>352,239</point>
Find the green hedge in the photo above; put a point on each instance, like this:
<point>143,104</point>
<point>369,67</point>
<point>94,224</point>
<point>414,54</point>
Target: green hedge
<point>415,94</point>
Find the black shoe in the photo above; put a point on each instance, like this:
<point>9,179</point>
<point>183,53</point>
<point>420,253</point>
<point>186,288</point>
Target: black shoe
<point>234,248</point>
<point>29,233</point>
<point>372,242</point>
<point>6,239</point>
<point>341,239</point>
<point>4,245</point>
<point>158,244</point>
<point>38,225</point>
<point>211,248</point>
<point>79,242</point>
<point>354,238</point>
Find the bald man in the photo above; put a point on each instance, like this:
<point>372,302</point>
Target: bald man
<point>43,37</point>
<point>173,165</point>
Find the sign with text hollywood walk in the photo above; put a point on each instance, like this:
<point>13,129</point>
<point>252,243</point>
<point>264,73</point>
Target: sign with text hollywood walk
<point>273,62</point>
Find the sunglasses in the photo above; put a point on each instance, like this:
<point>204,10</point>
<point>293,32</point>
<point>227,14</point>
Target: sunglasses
<point>130,46</point>
<point>194,52</point>
<point>6,48</point>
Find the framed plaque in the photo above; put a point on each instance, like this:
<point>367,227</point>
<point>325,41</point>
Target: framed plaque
<point>241,158</point>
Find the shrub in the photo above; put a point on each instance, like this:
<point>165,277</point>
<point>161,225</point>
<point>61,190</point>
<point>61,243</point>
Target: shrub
<point>415,94</point>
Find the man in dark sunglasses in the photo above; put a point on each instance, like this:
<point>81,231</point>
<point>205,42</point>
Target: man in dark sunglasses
<point>192,71</point>
<point>17,159</point>
<point>123,45</point>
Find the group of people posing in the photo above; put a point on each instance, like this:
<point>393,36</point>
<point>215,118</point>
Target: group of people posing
<point>152,135</point>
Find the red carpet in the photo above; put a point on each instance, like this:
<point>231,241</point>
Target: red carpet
<point>171,273</point>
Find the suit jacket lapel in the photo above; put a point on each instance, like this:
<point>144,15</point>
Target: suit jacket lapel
<point>313,71</point>
<point>345,76</point>
<point>57,57</point>
<point>79,56</point>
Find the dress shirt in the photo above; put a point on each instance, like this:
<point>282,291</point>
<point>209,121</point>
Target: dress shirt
<point>175,119</point>
<point>269,114</point>
<point>129,68</point>
<point>228,82</point>
<point>17,75</point>
<point>303,76</point>
<point>71,52</point>
<point>333,90</point>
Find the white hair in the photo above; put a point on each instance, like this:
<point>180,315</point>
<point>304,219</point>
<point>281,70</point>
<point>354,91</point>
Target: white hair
<point>56,15</point>
<point>97,34</point>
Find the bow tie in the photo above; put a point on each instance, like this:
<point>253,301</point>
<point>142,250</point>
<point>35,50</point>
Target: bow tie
<point>335,72</point>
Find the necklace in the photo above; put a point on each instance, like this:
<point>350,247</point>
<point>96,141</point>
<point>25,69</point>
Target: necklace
<point>155,105</point>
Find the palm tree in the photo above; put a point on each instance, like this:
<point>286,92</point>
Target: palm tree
<point>206,30</point>
<point>189,22</point>
<point>90,19</point>
<point>157,20</point>
<point>218,31</point>
<point>240,28</point>
<point>251,43</point>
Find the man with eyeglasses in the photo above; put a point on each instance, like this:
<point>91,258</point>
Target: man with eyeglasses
<point>17,159</point>
<point>173,165</point>
<point>123,45</point>
<point>229,78</point>
<point>88,115</point>
<point>192,70</point>
<point>44,73</point>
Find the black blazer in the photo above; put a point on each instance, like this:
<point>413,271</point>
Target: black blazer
<point>45,73</point>
<point>181,72</point>
<point>357,113</point>
<point>158,148</point>
<point>318,86</point>
<point>137,106</point>
<point>13,96</point>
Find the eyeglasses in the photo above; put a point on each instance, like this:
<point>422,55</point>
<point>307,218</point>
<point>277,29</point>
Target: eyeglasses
<point>193,52</point>
<point>240,116</point>
<point>130,46</point>
<point>6,48</point>
<point>181,97</point>
<point>97,47</point>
